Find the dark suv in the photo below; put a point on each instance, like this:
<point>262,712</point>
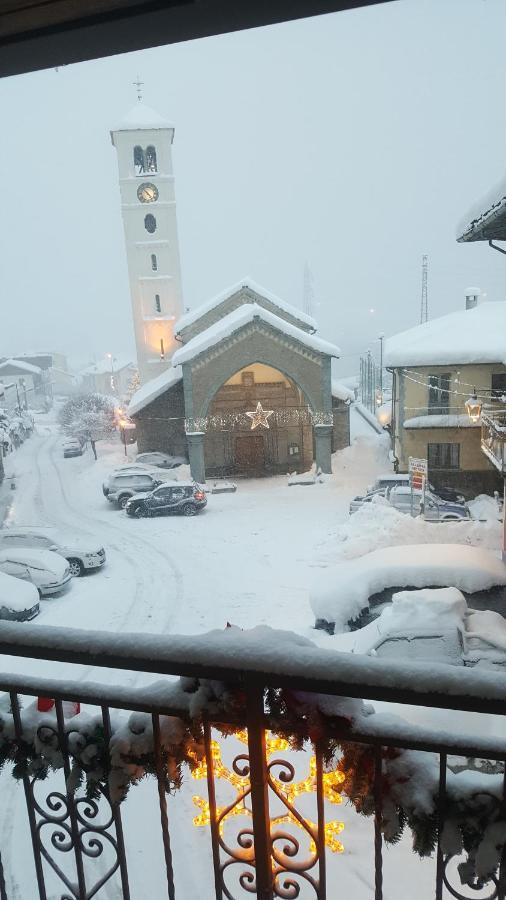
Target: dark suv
<point>185,498</point>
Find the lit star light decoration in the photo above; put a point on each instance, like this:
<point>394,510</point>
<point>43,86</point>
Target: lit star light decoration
<point>290,791</point>
<point>259,416</point>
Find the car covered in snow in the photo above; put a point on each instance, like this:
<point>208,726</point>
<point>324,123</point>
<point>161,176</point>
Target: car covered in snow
<point>48,571</point>
<point>82,554</point>
<point>178,497</point>
<point>358,502</point>
<point>409,501</point>
<point>390,479</point>
<point>72,447</point>
<point>161,460</point>
<point>120,486</point>
<point>435,625</point>
<point>19,601</point>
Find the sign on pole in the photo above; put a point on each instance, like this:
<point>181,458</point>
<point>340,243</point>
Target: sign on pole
<point>418,479</point>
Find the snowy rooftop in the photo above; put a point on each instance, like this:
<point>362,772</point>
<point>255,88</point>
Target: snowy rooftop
<point>103,367</point>
<point>142,117</point>
<point>469,336</point>
<point>340,391</point>
<point>19,364</point>
<point>236,320</point>
<point>153,389</point>
<point>487,217</point>
<point>196,314</point>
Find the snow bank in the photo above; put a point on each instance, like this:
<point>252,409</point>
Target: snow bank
<point>343,591</point>
<point>485,507</point>
<point>16,594</point>
<point>378,524</point>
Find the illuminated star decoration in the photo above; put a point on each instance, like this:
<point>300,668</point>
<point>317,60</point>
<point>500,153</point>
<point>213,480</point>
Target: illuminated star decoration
<point>259,416</point>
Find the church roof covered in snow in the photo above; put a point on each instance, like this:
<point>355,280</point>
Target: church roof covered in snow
<point>193,315</point>
<point>142,117</point>
<point>236,320</point>
<point>22,366</point>
<point>103,367</point>
<point>340,391</point>
<point>475,335</point>
<point>153,389</point>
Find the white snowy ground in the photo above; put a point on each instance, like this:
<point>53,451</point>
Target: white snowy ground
<point>249,558</point>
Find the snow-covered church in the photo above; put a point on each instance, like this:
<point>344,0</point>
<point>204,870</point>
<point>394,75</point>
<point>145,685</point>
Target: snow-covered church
<point>242,384</point>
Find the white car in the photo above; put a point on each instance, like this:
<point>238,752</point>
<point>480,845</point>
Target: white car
<point>18,601</point>
<point>161,460</point>
<point>82,555</point>
<point>48,571</point>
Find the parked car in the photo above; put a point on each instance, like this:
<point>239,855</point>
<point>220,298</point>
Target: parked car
<point>72,448</point>
<point>48,571</point>
<point>119,488</point>
<point>357,502</point>
<point>19,601</point>
<point>185,498</point>
<point>81,554</point>
<point>390,479</point>
<point>161,460</point>
<point>436,510</point>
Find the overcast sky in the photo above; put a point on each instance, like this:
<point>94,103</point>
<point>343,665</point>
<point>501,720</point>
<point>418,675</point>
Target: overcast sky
<point>355,141</point>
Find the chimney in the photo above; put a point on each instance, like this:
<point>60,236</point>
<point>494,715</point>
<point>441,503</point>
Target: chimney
<point>473,295</point>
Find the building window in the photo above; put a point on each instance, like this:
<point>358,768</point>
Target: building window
<point>150,223</point>
<point>498,386</point>
<point>443,456</point>
<point>439,394</point>
<point>293,449</point>
<point>139,160</point>
<point>158,305</point>
<point>154,263</point>
<point>150,159</point>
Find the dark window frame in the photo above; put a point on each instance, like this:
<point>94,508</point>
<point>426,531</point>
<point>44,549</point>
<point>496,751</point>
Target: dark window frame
<point>498,385</point>
<point>154,262</point>
<point>443,456</point>
<point>150,223</point>
<point>158,305</point>
<point>439,394</point>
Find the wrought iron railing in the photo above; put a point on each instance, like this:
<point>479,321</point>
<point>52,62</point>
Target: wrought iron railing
<point>273,699</point>
<point>493,437</point>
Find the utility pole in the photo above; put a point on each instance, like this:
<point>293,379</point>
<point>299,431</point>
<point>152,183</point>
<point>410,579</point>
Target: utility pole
<point>424,307</point>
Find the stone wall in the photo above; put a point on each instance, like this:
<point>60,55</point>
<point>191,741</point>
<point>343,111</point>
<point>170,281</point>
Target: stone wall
<point>160,426</point>
<point>341,429</point>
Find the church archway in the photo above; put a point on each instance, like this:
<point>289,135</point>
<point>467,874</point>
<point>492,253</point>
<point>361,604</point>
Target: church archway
<point>258,423</point>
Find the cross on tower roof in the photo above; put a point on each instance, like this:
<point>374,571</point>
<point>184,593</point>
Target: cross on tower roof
<point>138,84</point>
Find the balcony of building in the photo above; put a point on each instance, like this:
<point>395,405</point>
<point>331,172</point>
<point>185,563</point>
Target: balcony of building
<point>235,764</point>
<point>493,437</point>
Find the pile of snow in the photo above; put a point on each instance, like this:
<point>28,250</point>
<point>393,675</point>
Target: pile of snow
<point>378,524</point>
<point>427,607</point>
<point>486,508</point>
<point>487,625</point>
<point>343,591</point>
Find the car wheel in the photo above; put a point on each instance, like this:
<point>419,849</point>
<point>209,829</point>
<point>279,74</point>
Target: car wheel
<point>123,501</point>
<point>76,567</point>
<point>189,509</point>
<point>138,512</point>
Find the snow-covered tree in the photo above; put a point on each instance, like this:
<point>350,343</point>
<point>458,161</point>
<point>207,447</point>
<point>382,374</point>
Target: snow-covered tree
<point>88,415</point>
<point>134,384</point>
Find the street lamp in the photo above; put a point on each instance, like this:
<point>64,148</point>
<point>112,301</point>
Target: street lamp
<point>111,357</point>
<point>473,406</point>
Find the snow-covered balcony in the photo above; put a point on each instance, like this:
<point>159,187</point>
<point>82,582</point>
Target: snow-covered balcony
<point>493,437</point>
<point>438,417</point>
<point>236,760</point>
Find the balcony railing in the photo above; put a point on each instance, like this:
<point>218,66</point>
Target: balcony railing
<point>493,437</point>
<point>275,695</point>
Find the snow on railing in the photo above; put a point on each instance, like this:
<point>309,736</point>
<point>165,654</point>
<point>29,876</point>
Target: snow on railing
<point>274,692</point>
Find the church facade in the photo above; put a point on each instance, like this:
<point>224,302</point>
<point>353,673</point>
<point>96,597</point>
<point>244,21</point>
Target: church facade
<point>242,385</point>
<point>250,391</point>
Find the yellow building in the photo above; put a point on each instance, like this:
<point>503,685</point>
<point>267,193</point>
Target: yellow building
<point>437,368</point>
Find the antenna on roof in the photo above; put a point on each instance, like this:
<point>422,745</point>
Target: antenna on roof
<point>139,85</point>
<point>424,307</point>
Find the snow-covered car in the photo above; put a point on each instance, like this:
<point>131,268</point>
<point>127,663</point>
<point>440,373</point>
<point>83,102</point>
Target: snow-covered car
<point>72,448</point>
<point>19,601</point>
<point>390,479</point>
<point>180,497</point>
<point>435,625</point>
<point>161,460</point>
<point>48,571</point>
<point>358,502</point>
<point>82,554</point>
<point>436,510</point>
<point>120,487</point>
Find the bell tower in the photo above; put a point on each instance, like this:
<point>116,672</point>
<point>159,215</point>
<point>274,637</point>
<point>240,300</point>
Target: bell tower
<point>143,142</point>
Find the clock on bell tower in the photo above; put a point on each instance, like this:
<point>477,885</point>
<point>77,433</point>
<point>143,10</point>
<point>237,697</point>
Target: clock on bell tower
<point>143,142</point>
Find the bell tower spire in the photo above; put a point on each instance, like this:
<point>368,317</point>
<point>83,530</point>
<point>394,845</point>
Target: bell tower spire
<point>143,142</point>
